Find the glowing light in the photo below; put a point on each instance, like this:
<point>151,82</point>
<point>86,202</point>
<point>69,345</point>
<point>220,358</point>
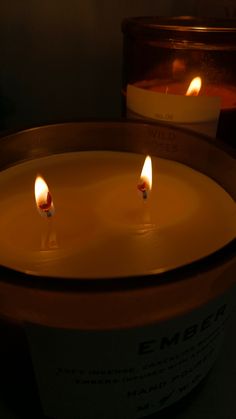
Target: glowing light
<point>194,87</point>
<point>43,198</point>
<point>145,184</point>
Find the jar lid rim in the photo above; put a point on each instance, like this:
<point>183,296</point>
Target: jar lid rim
<point>181,23</point>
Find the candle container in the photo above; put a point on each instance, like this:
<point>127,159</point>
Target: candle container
<point>161,56</point>
<point>117,346</point>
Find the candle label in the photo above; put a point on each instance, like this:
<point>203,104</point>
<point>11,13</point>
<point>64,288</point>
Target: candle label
<point>199,113</point>
<point>125,373</point>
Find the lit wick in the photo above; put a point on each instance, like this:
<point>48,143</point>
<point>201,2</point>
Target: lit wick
<point>43,198</point>
<point>194,87</point>
<point>46,209</point>
<point>145,184</point>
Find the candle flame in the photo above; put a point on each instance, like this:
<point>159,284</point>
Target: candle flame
<point>194,87</point>
<point>43,198</point>
<point>145,184</point>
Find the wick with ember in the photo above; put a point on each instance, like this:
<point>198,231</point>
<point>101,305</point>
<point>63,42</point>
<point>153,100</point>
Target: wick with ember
<point>46,206</point>
<point>145,184</point>
<point>46,209</point>
<point>143,187</point>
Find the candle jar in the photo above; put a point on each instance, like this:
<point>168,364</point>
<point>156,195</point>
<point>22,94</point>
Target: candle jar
<point>161,56</point>
<point>121,346</point>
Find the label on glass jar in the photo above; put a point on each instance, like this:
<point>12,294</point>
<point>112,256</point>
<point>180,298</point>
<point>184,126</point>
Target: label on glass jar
<point>126,373</point>
<point>198,113</point>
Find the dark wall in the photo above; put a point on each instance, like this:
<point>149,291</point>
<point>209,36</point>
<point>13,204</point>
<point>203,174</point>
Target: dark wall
<point>61,59</point>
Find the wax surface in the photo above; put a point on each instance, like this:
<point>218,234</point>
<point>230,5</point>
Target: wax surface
<point>102,227</point>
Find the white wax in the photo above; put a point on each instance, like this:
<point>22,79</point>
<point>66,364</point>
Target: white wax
<point>102,227</point>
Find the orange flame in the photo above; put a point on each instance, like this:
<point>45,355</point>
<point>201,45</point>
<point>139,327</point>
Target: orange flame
<point>43,198</point>
<point>194,87</point>
<point>145,184</point>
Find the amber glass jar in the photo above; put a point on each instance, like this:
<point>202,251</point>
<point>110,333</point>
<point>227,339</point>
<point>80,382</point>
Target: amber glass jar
<point>162,55</point>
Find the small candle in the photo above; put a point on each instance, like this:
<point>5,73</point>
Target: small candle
<point>204,109</point>
<point>199,113</point>
<point>226,93</point>
<point>169,52</point>
<point>101,224</point>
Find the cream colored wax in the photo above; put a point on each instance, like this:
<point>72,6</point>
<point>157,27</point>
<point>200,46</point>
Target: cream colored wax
<point>102,226</point>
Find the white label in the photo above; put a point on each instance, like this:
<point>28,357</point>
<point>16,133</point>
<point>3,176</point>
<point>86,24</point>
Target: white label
<point>199,113</point>
<point>128,373</point>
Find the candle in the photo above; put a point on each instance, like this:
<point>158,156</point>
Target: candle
<point>77,202</point>
<point>102,227</point>
<point>169,52</point>
<point>212,112</point>
<point>170,101</point>
<point>199,113</point>
<point>226,93</point>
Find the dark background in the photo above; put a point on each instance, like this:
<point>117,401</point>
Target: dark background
<point>62,59</point>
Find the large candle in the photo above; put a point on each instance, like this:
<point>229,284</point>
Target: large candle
<point>118,335</point>
<point>102,227</point>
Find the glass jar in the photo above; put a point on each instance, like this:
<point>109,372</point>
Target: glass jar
<point>160,58</point>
